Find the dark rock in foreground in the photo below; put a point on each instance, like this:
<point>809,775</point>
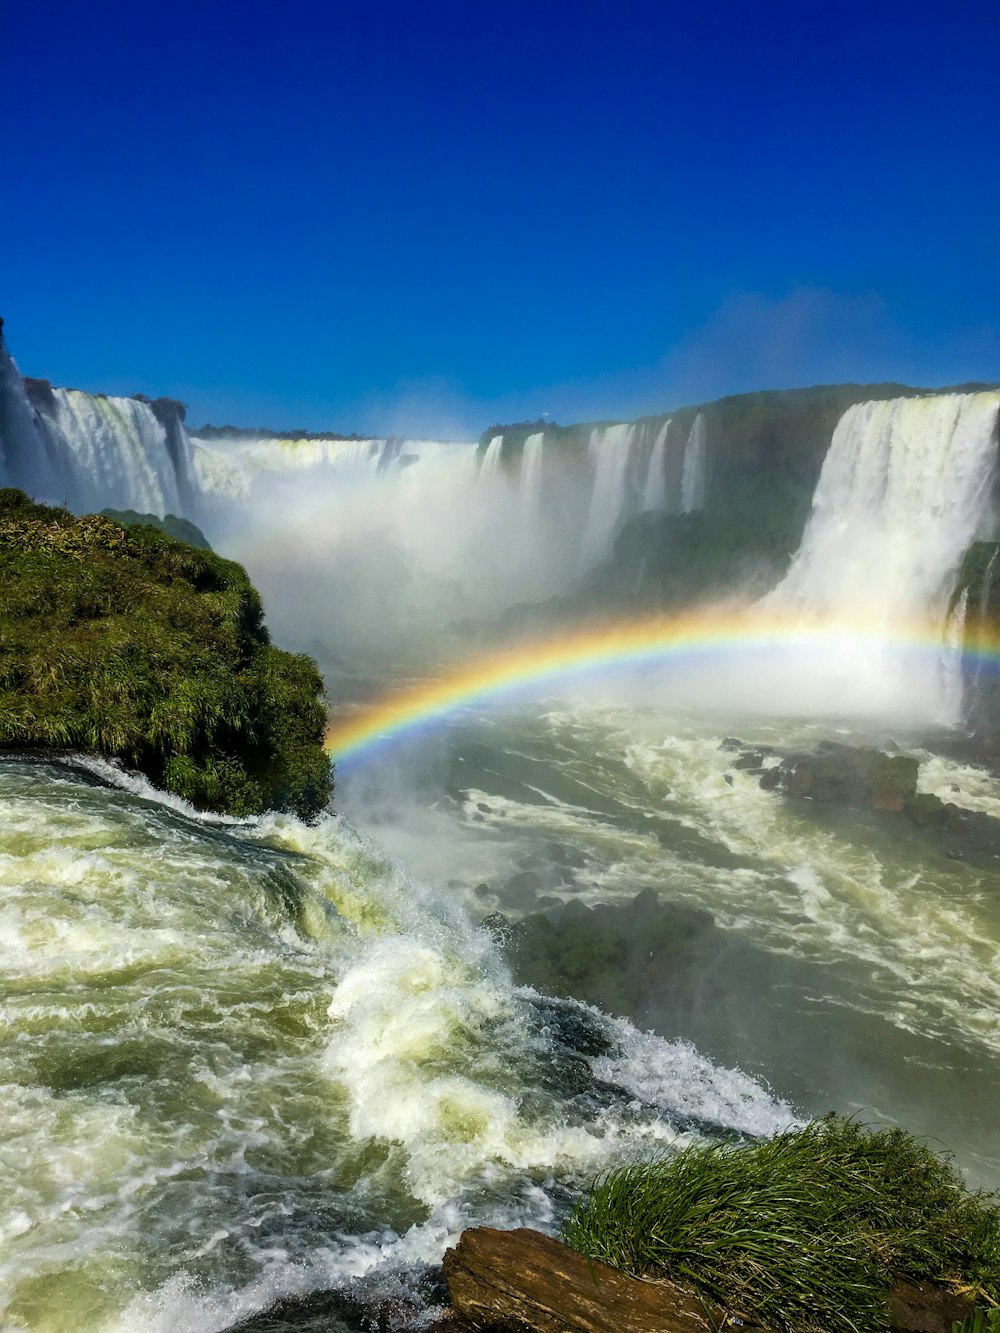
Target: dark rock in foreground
<point>527,1281</point>
<point>623,957</point>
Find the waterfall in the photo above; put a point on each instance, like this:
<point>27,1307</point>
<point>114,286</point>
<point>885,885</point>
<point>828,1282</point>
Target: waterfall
<point>904,489</point>
<point>113,452</point>
<point>951,655</point>
<point>611,450</point>
<point>654,495</point>
<point>693,469</point>
<point>987,588</point>
<point>531,477</point>
<point>229,470</point>
<point>491,460</point>
<point>24,452</point>
<point>90,452</point>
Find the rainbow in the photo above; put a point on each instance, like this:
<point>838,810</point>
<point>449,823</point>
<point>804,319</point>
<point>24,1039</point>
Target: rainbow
<point>592,649</point>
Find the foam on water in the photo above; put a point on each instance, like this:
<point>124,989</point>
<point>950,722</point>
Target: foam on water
<point>656,801</point>
<point>247,1062</point>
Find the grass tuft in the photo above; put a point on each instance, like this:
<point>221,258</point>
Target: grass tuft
<point>802,1232</point>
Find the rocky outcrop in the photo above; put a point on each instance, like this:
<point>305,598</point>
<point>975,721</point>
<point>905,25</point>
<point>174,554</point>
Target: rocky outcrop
<point>126,643</point>
<point>846,774</point>
<point>866,778</point>
<point>525,1280</point>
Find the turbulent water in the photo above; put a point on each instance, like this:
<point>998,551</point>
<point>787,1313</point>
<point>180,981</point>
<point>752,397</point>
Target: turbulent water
<point>244,1061</point>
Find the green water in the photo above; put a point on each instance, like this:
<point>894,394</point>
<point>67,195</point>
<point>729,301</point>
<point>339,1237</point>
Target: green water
<point>862,971</point>
<point>242,1062</point>
<point>245,1062</point>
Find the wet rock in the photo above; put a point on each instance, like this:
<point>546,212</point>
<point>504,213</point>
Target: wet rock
<point>497,925</point>
<point>728,779</point>
<point>482,890</point>
<point>484,808</point>
<point>927,810</point>
<point>527,1281</point>
<point>521,889</point>
<point>750,759</point>
<point>561,854</point>
<point>847,775</point>
<point>358,1307</point>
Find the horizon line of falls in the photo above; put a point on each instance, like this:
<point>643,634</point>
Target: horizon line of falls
<point>383,545</point>
<point>906,486</point>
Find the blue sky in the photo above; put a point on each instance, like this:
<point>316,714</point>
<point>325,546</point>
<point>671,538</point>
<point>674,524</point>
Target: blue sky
<point>427,217</point>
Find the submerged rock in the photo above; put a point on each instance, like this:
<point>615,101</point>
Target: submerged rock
<point>624,957</point>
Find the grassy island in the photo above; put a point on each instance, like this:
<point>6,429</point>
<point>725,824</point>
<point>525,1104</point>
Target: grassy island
<point>804,1232</point>
<point>126,643</point>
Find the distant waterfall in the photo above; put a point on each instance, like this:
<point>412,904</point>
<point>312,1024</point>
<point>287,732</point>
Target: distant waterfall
<point>115,452</point>
<point>611,456</point>
<point>903,491</point>
<point>491,460</point>
<point>905,487</point>
<point>91,452</point>
<point>24,450</point>
<point>693,469</point>
<point>654,495</point>
<point>531,476</point>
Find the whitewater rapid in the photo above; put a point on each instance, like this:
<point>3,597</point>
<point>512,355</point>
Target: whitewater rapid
<point>247,1061</point>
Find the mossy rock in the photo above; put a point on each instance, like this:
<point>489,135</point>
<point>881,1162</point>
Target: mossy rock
<point>126,643</point>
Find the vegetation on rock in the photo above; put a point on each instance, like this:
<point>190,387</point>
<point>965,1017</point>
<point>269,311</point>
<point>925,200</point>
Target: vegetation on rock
<point>803,1232</point>
<point>181,529</point>
<point>126,643</point>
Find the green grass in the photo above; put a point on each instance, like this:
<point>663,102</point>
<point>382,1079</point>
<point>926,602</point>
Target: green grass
<point>802,1232</point>
<point>983,1321</point>
<point>127,643</point>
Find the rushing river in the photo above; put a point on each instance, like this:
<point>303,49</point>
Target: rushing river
<point>246,1061</point>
